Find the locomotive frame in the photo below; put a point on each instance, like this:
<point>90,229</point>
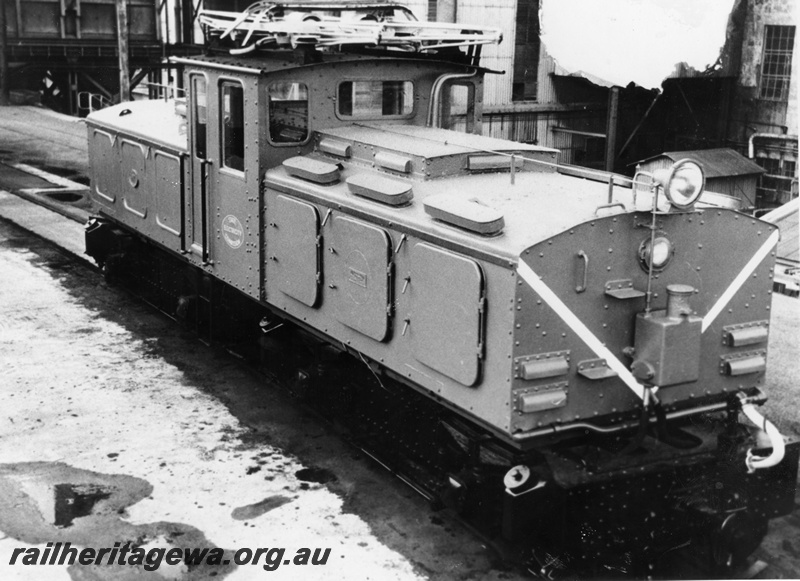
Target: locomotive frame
<point>583,362</point>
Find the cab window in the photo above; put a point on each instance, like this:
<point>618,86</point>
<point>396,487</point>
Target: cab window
<point>200,116</point>
<point>458,107</point>
<point>232,130</point>
<point>375,99</point>
<point>288,112</point>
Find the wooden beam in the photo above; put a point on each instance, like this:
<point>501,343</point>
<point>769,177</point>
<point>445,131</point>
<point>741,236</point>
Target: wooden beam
<point>5,93</point>
<point>137,78</point>
<point>103,91</point>
<point>611,127</point>
<point>122,47</point>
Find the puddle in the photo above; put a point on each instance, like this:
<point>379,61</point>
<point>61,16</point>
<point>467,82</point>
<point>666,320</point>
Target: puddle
<point>54,169</point>
<point>74,501</point>
<point>52,502</point>
<point>252,511</point>
<point>318,475</point>
<point>13,179</point>
<point>68,197</point>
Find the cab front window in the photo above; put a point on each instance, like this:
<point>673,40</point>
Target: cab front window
<point>288,112</point>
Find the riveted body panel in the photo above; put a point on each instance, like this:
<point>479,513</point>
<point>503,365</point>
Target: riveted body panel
<point>294,260</point>
<point>446,317</point>
<point>703,259</point>
<point>358,274</point>
<point>169,197</point>
<point>137,178</point>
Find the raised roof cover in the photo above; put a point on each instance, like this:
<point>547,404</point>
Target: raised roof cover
<point>464,213</point>
<point>380,189</point>
<point>314,170</point>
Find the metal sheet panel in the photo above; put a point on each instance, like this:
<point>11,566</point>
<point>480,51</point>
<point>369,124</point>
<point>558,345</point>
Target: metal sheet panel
<point>133,177</point>
<point>359,276</point>
<point>104,177</point>
<point>296,249</point>
<point>168,192</point>
<point>500,57</point>
<point>446,312</point>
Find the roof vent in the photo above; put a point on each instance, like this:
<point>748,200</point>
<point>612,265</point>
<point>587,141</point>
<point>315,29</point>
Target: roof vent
<point>380,189</point>
<point>468,214</point>
<point>319,172</point>
<point>393,161</point>
<point>334,147</point>
<point>493,162</point>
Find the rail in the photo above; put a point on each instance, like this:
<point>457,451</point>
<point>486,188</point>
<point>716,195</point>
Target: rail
<point>89,102</point>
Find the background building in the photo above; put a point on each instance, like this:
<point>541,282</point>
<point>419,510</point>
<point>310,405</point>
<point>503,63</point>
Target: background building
<point>68,52</point>
<point>761,53</point>
<point>746,101</point>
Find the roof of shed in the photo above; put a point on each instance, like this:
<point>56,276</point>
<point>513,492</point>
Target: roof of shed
<point>787,218</point>
<point>722,162</point>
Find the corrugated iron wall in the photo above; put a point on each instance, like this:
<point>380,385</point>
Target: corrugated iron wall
<point>526,121</point>
<point>499,14</point>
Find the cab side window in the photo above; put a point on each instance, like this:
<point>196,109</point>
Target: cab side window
<point>458,107</point>
<point>232,121</point>
<point>288,112</point>
<point>200,116</point>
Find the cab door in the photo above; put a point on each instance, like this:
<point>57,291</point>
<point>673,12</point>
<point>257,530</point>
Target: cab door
<point>232,181</point>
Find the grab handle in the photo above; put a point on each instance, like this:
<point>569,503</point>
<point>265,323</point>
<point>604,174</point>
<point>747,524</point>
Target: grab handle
<point>582,287</point>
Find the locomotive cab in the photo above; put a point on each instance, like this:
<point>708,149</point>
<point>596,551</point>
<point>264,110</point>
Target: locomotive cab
<point>194,184</point>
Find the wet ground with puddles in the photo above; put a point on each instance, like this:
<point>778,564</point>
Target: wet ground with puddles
<point>119,427</point>
<point>58,506</point>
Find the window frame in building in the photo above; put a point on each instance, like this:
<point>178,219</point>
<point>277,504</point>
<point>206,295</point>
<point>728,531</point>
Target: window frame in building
<point>776,62</point>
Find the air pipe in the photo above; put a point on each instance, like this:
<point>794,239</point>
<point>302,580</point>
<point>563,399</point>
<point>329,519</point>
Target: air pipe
<point>751,146</point>
<point>436,92</point>
<point>778,446</point>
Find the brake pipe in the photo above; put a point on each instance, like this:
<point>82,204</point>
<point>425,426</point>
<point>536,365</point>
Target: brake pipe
<point>752,461</point>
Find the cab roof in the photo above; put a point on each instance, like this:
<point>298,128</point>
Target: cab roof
<point>281,59</point>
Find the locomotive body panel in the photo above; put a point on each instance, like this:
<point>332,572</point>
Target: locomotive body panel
<point>359,276</point>
<point>369,303</point>
<point>138,178</point>
<point>332,256</point>
<point>231,170</point>
<point>589,289</point>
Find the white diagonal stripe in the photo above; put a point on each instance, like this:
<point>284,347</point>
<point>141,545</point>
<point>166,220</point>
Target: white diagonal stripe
<point>578,327</point>
<point>739,280</point>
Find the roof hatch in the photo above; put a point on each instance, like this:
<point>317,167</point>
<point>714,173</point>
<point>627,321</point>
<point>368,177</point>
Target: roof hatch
<point>313,170</point>
<point>380,189</point>
<point>468,214</point>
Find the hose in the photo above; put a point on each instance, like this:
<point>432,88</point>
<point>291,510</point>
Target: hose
<point>776,439</point>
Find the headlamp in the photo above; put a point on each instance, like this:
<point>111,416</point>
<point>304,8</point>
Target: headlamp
<point>683,183</point>
<point>659,254</point>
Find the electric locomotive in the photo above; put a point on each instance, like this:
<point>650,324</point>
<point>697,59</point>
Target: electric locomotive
<point>564,356</point>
